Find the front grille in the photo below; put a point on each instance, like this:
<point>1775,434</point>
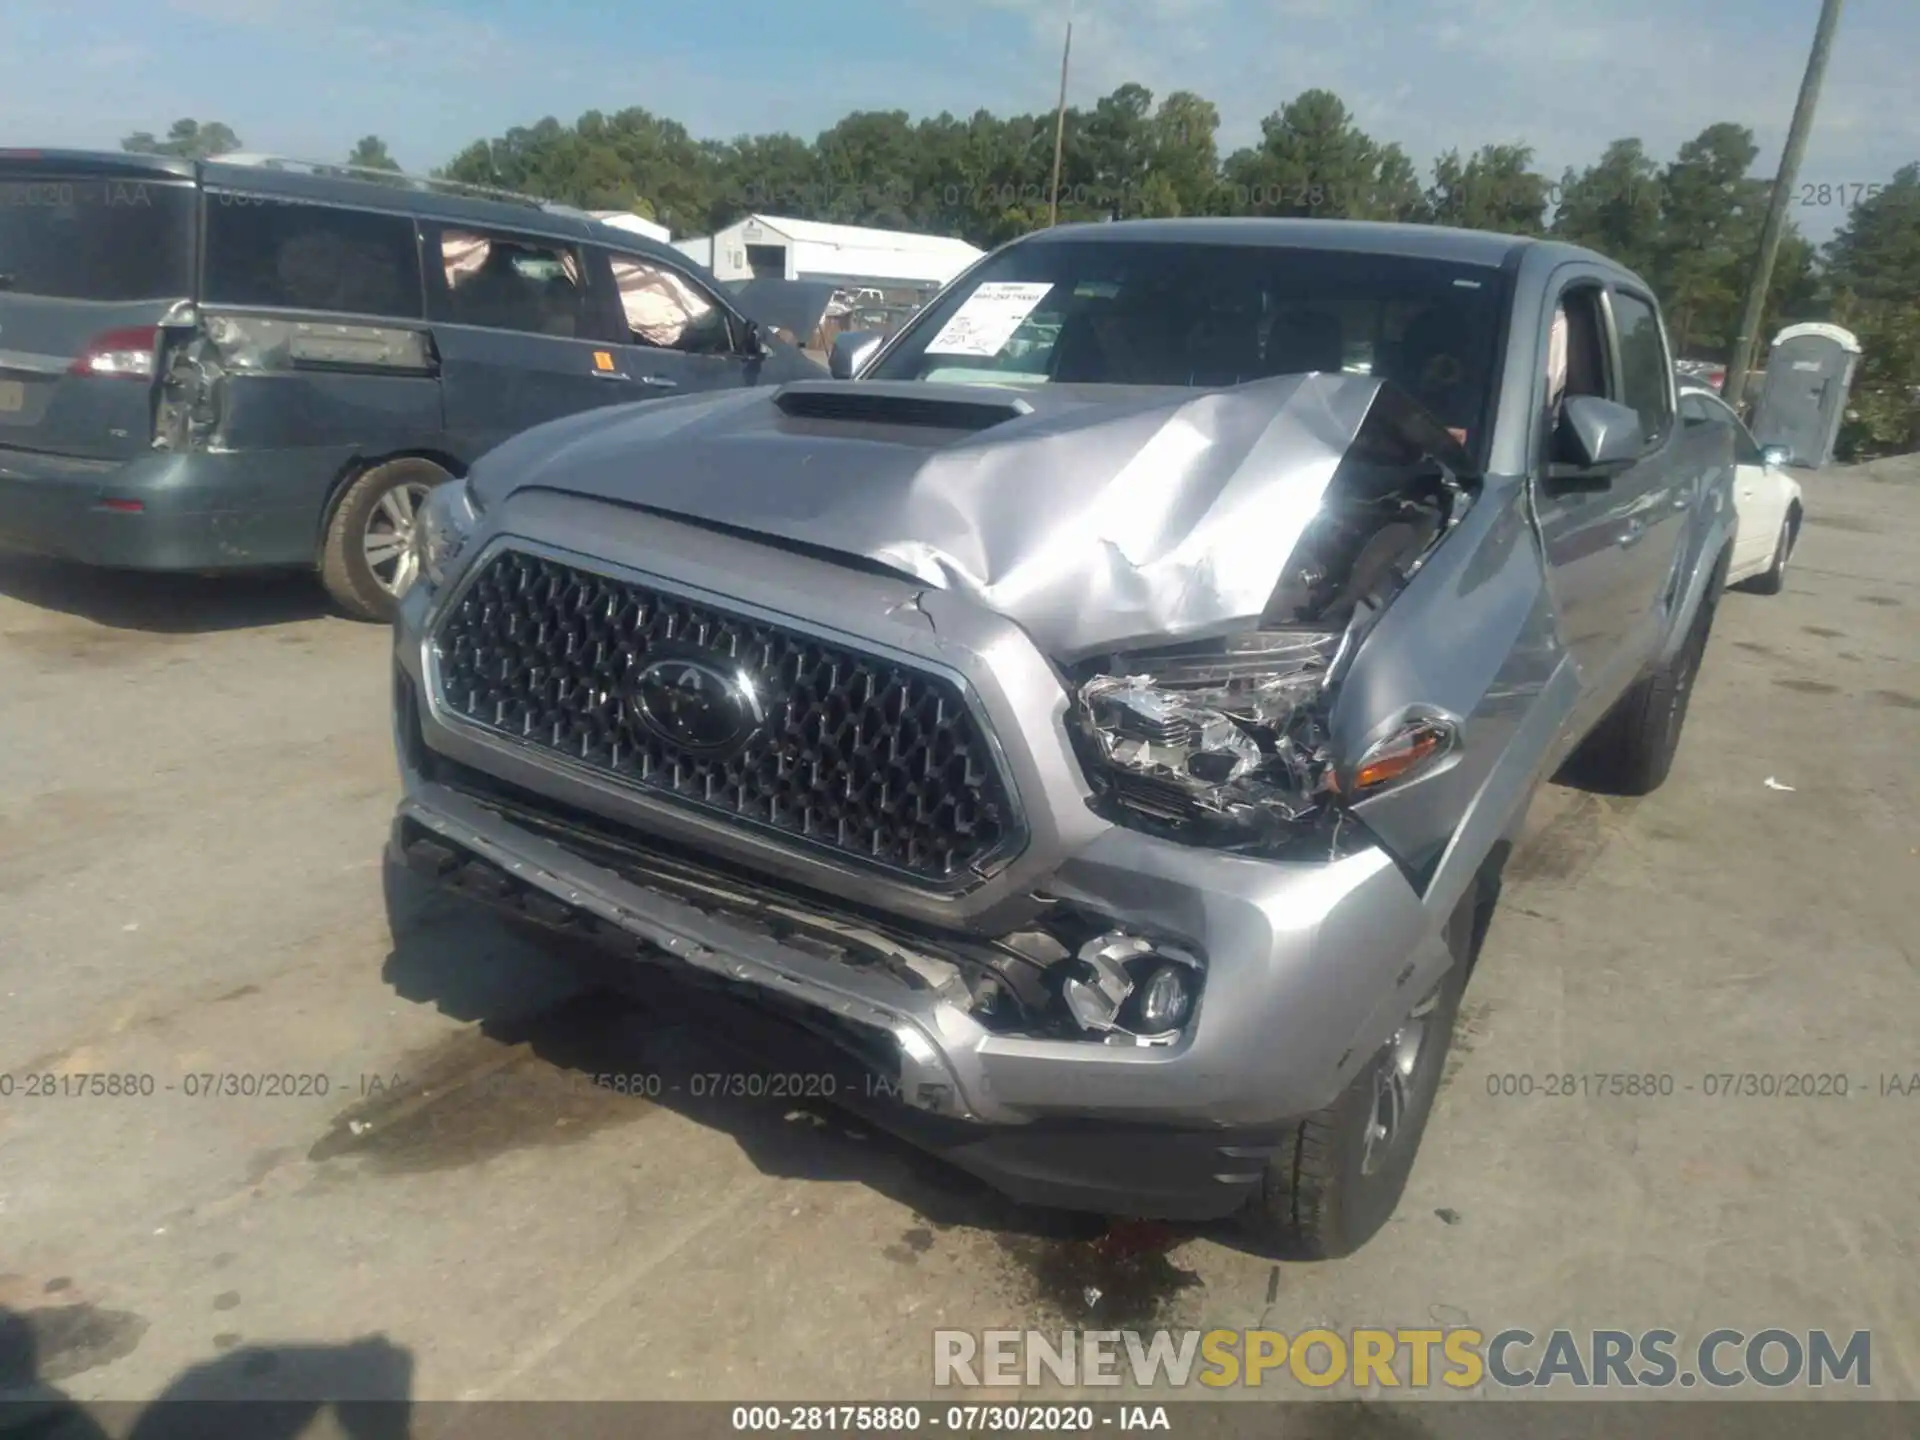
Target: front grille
<point>858,754</point>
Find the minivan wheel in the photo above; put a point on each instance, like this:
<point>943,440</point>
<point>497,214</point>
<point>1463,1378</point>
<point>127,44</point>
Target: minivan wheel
<point>366,561</point>
<point>1344,1169</point>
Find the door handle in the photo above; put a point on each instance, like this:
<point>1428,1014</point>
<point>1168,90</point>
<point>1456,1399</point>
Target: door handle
<point>659,382</point>
<point>1634,530</point>
<point>611,375</point>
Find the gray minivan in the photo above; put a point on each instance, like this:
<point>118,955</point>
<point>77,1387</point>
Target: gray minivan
<point>246,362</point>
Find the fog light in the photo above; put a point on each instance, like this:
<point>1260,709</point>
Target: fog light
<point>1101,985</point>
<point>1167,998</point>
<point>1122,986</point>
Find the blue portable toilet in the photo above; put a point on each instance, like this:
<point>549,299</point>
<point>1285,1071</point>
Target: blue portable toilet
<point>1810,369</point>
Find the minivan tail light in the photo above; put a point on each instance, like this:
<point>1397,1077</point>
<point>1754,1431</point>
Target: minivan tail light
<point>126,353</point>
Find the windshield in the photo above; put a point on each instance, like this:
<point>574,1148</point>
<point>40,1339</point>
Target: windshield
<point>74,238</point>
<point>1155,313</point>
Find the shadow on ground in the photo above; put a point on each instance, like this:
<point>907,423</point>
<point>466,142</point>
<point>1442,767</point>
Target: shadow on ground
<point>615,1041</point>
<point>259,1392</point>
<point>571,1041</point>
<point>162,603</point>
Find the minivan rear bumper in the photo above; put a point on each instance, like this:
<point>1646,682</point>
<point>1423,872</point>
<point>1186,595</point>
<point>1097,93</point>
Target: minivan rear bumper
<point>203,511</point>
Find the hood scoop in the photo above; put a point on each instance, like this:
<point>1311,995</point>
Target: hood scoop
<point>879,402</point>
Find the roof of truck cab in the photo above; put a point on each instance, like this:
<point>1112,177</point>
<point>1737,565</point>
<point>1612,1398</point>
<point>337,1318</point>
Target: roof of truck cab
<point>1433,242</point>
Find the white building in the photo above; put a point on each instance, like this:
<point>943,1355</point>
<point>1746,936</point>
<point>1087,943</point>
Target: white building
<point>853,256</point>
<point>626,220</point>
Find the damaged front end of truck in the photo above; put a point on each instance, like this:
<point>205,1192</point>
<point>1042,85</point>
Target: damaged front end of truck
<point>1227,742</point>
<point>1178,615</point>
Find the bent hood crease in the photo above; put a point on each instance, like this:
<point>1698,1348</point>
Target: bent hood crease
<point>1101,519</point>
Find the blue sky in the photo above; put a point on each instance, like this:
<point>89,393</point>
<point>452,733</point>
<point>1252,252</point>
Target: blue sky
<point>308,77</point>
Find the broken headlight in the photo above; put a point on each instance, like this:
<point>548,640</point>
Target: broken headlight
<point>1221,743</point>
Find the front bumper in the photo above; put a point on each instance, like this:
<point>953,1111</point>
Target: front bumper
<point>198,511</point>
<point>868,1052</point>
<point>1309,964</point>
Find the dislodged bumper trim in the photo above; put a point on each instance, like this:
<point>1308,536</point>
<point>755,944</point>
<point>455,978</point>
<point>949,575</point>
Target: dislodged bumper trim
<point>1166,1171</point>
<point>873,999</point>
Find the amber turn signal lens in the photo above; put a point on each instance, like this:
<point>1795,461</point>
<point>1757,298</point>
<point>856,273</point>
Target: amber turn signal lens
<point>1400,755</point>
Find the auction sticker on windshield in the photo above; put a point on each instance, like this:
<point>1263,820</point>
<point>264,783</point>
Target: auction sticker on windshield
<point>987,319</point>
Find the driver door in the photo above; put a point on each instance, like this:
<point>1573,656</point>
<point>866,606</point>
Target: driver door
<point>1585,528</point>
<point>679,337</point>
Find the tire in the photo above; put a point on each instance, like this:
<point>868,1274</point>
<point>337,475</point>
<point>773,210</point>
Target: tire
<point>1338,1181</point>
<point>1631,751</point>
<point>366,563</point>
<point>1774,579</point>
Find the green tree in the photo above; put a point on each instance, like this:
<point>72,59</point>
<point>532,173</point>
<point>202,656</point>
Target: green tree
<point>370,153</point>
<point>1613,206</point>
<point>1185,155</point>
<point>767,174</point>
<point>1873,265</point>
<point>602,162</point>
<point>866,168</point>
<point>1876,253</point>
<point>985,178</point>
<point>1114,155</point>
<point>1313,159</point>
<point>1397,192</point>
<point>1495,189</point>
<point>1711,211</point>
<point>659,165</point>
<point>187,139</point>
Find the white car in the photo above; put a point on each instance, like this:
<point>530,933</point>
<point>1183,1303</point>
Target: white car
<point>1765,496</point>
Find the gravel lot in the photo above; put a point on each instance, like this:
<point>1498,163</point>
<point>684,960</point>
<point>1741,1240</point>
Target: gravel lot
<point>195,786</point>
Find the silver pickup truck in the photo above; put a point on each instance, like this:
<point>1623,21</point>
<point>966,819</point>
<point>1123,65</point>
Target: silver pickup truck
<point>1097,718</point>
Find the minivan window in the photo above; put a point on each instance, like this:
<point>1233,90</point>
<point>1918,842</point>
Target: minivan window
<point>292,255</point>
<point>512,282</point>
<point>75,238</point>
<point>1644,371</point>
<point>663,308</point>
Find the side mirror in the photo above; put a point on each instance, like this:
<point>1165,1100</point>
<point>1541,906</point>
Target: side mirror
<point>1598,439</point>
<point>753,340</point>
<point>1773,456</point>
<point>851,350</point>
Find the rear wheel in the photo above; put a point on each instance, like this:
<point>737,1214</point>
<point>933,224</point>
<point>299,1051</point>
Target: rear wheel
<point>1339,1179</point>
<point>367,561</point>
<point>1774,580</point>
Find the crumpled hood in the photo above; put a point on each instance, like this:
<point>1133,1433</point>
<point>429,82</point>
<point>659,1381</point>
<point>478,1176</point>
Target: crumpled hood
<point>1101,519</point>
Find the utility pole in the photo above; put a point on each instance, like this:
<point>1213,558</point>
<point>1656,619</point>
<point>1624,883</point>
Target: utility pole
<point>1735,385</point>
<point>1060,125</point>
